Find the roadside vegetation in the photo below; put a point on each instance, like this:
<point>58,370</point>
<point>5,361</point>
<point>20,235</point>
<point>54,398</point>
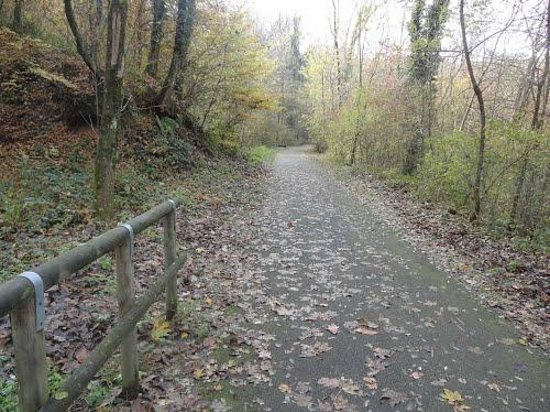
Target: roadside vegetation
<point>450,114</point>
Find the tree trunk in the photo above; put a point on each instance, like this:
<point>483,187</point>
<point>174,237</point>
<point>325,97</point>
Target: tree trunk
<point>110,127</point>
<point>17,23</point>
<point>541,101</point>
<point>184,30</point>
<point>157,33</point>
<point>81,47</point>
<point>478,182</point>
<point>337,53</point>
<point>523,91</point>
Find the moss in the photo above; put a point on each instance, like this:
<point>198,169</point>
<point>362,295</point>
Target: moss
<point>51,77</point>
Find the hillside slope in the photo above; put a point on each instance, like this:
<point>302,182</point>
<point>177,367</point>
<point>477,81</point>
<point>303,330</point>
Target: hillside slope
<point>40,87</point>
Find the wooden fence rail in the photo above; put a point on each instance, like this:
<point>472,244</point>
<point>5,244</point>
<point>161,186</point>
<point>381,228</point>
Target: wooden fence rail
<point>23,298</point>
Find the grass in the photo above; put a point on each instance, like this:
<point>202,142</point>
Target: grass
<point>8,390</point>
<point>46,201</point>
<point>46,208</point>
<point>261,155</point>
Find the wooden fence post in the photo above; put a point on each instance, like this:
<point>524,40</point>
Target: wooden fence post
<point>126,298</point>
<point>30,358</point>
<point>169,258</point>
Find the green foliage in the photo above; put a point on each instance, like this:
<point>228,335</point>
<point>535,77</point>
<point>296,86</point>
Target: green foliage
<point>8,395</point>
<point>27,200</point>
<point>258,155</point>
<point>105,263</point>
<point>167,125</point>
<point>99,389</point>
<point>8,390</point>
<point>447,171</point>
<point>426,30</point>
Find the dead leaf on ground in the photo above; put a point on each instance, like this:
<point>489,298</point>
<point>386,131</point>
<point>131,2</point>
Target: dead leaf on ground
<point>416,375</point>
<point>371,383</point>
<point>329,382</point>
<point>452,397</point>
<point>310,351</point>
<point>81,354</point>
<point>392,397</point>
<point>161,328</point>
<point>382,353</point>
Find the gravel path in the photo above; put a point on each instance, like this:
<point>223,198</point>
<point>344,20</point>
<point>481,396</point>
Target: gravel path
<point>352,319</point>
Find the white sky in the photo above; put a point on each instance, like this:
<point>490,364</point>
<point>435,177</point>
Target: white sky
<point>316,14</point>
<point>388,25</point>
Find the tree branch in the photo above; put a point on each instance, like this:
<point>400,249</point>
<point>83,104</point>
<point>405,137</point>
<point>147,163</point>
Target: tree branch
<point>80,47</point>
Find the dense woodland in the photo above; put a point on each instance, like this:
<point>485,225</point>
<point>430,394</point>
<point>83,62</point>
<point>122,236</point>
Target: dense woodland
<point>457,111</point>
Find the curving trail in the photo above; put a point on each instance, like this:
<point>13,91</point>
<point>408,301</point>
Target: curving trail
<point>352,319</point>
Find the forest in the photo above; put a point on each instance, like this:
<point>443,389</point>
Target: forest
<point>455,110</point>
<point>439,108</point>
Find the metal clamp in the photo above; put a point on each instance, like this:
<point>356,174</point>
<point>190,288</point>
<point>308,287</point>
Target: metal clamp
<point>132,237</point>
<point>38,286</point>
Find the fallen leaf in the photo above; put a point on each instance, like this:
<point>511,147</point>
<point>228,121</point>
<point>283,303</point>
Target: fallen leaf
<point>81,354</point>
<point>452,397</point>
<point>494,386</point>
<point>61,395</point>
<point>371,383</point>
<point>310,351</point>
<point>329,382</point>
<point>416,375</point>
<point>350,387</point>
<point>334,329</point>
<point>382,353</point>
<point>522,342</point>
<point>394,398</point>
<point>161,328</point>
<point>284,388</point>
<point>363,330</point>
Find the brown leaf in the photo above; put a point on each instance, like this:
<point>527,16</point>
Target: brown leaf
<point>394,398</point>
<point>329,382</point>
<point>81,354</point>
<point>416,375</point>
<point>371,383</point>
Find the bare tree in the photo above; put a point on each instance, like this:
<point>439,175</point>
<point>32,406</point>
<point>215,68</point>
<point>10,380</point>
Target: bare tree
<point>157,33</point>
<point>110,97</point>
<point>478,181</point>
<point>335,29</point>
<point>184,29</point>
<point>17,22</point>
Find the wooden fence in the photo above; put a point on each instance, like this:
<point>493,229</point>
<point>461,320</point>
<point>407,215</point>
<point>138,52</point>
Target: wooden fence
<point>23,298</point>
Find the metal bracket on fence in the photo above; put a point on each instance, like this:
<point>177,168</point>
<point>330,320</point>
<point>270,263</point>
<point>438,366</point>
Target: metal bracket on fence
<point>38,286</point>
<point>132,237</point>
<point>174,206</point>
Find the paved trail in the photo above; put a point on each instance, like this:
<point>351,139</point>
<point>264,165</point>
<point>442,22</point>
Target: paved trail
<point>401,331</point>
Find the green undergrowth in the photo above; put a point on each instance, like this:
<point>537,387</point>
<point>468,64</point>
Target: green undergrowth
<point>47,198</point>
<point>261,155</point>
<point>8,390</point>
<point>453,201</point>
